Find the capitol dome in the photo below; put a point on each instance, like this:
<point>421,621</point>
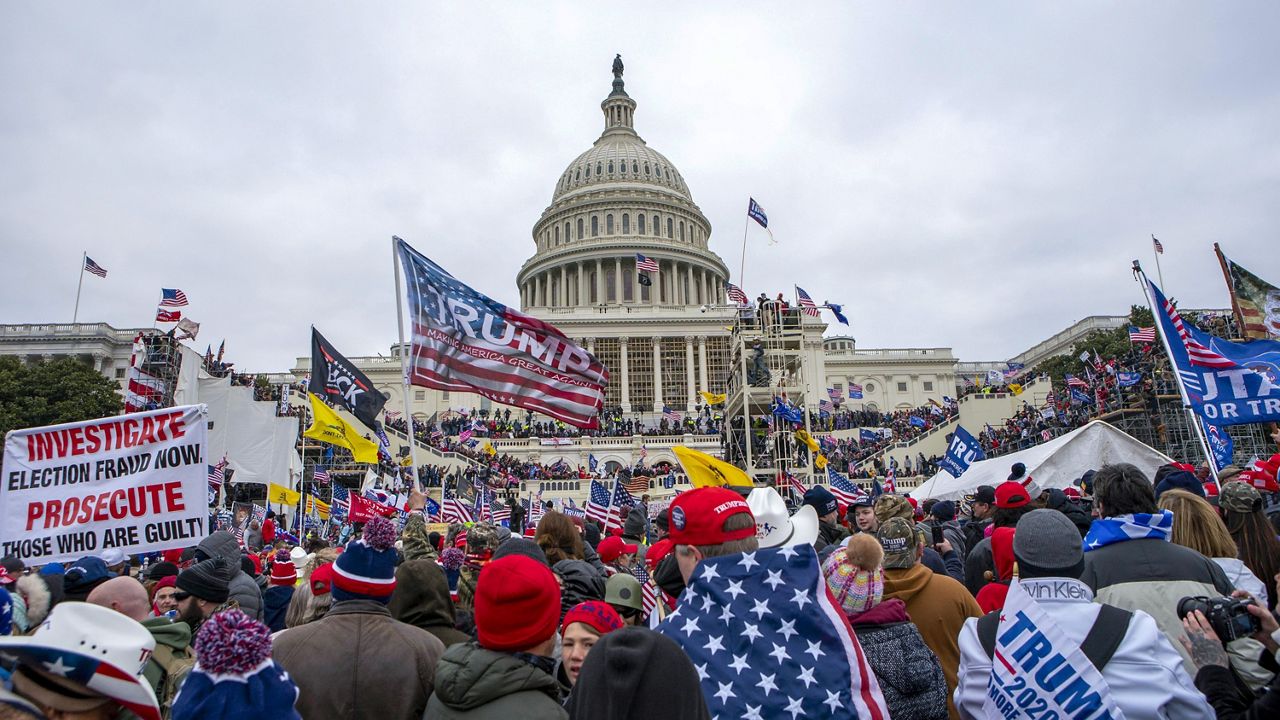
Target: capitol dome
<point>618,199</point>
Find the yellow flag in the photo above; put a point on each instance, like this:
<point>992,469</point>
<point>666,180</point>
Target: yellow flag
<point>820,461</point>
<point>1015,388</point>
<point>318,506</point>
<point>713,398</point>
<point>804,437</point>
<point>706,471</point>
<point>327,427</point>
<point>406,461</point>
<point>281,495</point>
<point>489,449</point>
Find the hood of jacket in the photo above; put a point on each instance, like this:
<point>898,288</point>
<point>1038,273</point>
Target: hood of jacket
<point>421,597</point>
<point>887,612</point>
<point>469,676</point>
<point>176,635</point>
<point>221,544</point>
<point>582,582</point>
<point>905,583</point>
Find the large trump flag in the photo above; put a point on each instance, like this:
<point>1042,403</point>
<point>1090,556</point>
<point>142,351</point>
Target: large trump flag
<point>466,342</point>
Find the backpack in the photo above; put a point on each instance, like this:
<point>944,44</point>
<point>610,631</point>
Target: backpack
<point>1102,641</point>
<point>175,670</point>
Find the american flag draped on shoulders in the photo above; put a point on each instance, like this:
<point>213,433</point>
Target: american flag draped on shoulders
<point>768,642</point>
<point>467,342</point>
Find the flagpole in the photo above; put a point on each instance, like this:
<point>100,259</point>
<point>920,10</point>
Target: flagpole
<point>742,266</point>
<point>84,256</point>
<point>1154,252</point>
<point>1182,390</point>
<point>404,369</point>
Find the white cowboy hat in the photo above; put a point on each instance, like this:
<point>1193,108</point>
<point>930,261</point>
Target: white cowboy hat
<point>92,647</point>
<point>774,528</point>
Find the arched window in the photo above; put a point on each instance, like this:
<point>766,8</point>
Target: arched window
<point>608,224</point>
<point>557,234</point>
<point>670,228</point>
<point>595,226</point>
<point>657,226</point>
<point>622,167</point>
<point>610,167</point>
<point>579,228</point>
<point>599,169</point>
<point>626,223</point>
<point>588,172</point>
<point>577,174</point>
<point>635,168</point>
<point>640,223</point>
<point>646,168</point>
<point>567,234</point>
<point>681,231</point>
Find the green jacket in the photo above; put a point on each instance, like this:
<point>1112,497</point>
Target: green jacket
<point>472,682</point>
<point>174,635</point>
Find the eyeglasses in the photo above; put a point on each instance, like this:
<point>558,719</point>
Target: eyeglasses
<point>180,596</point>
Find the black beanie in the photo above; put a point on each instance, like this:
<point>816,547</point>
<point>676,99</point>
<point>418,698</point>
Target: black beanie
<point>208,579</point>
<point>636,672</point>
<point>162,569</point>
<point>521,546</point>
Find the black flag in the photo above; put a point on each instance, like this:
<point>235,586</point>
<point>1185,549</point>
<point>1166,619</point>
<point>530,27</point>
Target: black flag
<point>336,381</point>
<point>644,279</point>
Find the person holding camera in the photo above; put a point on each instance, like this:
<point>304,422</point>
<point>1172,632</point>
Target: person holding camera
<point>1204,643</point>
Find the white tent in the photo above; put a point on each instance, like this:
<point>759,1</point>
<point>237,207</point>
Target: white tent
<point>1055,464</point>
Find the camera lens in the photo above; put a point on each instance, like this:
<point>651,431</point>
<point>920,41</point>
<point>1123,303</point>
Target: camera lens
<point>1187,605</point>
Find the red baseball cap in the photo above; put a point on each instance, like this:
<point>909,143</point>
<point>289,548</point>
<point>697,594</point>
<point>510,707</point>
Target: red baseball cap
<point>698,516</point>
<point>1011,494</point>
<point>612,547</point>
<point>657,551</point>
<point>1071,492</point>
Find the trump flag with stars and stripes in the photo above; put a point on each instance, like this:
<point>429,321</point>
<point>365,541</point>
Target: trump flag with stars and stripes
<point>767,641</point>
<point>465,341</point>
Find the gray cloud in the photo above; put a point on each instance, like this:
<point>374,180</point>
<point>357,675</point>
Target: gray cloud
<point>971,176</point>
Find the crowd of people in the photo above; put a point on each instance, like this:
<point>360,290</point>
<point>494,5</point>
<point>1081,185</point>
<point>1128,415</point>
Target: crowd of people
<point>718,606</point>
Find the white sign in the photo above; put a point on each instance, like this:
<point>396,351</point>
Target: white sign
<point>135,482</point>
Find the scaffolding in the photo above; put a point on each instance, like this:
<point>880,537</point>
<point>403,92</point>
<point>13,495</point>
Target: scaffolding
<point>767,366</point>
<point>153,371</point>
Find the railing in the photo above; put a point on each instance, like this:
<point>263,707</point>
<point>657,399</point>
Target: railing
<point>67,329</point>
<point>442,454</point>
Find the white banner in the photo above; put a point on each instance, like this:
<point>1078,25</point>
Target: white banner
<point>134,482</point>
<point>556,441</point>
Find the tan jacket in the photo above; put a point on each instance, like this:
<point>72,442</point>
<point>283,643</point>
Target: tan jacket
<point>358,663</point>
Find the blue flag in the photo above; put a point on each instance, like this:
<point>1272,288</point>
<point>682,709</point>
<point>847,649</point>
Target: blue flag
<point>755,212</point>
<point>1079,396</point>
<point>1221,446</point>
<point>963,451</point>
<point>865,436</point>
<point>838,311</point>
<point>1226,383</point>
<point>1128,379</point>
<point>1016,366</point>
<point>788,412</point>
<point>433,508</point>
<point>592,463</point>
<point>916,421</point>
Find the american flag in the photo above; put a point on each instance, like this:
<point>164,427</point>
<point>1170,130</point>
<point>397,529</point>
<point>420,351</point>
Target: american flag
<point>436,434</point>
<point>619,505</point>
<point>454,510</point>
<point>1051,399</point>
<point>172,298</point>
<point>340,504</point>
<point>807,306</point>
<point>735,294</point>
<point>648,593</point>
<point>94,267</point>
<point>1197,353</point>
<point>320,475</point>
<point>671,415</point>
<point>793,482</point>
<point>465,435</point>
<point>637,484</point>
<point>788,650</point>
<point>891,481</point>
<point>826,406</point>
<point>392,414</point>
<point>833,393</point>
<point>855,391</point>
<point>1142,335</point>
<point>481,510</point>
<point>498,510</point>
<point>504,355</point>
<point>167,316</point>
<point>1156,243</point>
<point>597,507</point>
<point>217,474</point>
<point>844,490</point>
<point>644,264</point>
<point>535,509</point>
<point>1076,382</point>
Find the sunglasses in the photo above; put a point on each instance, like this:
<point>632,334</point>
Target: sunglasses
<point>180,596</point>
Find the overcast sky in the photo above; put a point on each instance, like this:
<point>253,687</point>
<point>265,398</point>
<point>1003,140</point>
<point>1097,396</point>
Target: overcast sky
<point>972,175</point>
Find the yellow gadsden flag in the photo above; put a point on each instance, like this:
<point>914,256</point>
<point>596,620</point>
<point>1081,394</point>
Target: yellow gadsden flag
<point>1015,388</point>
<point>713,398</point>
<point>327,427</point>
<point>804,437</point>
<point>820,461</point>
<point>281,495</point>
<point>706,471</point>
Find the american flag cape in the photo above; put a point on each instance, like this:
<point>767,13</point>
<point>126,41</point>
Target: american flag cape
<point>767,640</point>
<point>466,342</point>
<point>597,507</point>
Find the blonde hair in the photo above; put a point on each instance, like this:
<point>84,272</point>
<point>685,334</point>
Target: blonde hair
<point>1196,524</point>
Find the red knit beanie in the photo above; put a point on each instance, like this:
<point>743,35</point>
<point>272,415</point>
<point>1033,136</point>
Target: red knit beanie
<point>517,604</point>
<point>283,572</point>
<point>598,615</point>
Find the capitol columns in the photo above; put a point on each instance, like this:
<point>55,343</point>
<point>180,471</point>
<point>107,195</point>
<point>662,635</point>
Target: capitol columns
<point>657,374</point>
<point>688,370</point>
<point>702,362</point>
<point>599,283</point>
<point>626,384</point>
<point>564,285</point>
<point>617,280</point>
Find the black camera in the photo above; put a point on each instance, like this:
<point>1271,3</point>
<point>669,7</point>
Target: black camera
<point>1228,617</point>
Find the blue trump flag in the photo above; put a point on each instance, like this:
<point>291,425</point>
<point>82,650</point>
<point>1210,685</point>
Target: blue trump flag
<point>962,452</point>
<point>916,421</point>
<point>1128,379</point>
<point>1221,446</point>
<point>1224,382</point>
<point>788,412</point>
<point>865,436</point>
<point>1081,397</point>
